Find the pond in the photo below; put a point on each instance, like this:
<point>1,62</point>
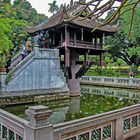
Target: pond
<point>93,100</point>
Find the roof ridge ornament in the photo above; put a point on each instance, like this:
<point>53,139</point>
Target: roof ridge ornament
<point>64,8</point>
<point>71,3</point>
<point>61,7</point>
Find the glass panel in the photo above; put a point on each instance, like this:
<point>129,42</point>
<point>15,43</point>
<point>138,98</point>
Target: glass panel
<point>106,132</point>
<point>11,135</point>
<point>5,133</point>
<point>135,121</point>
<point>126,124</point>
<point>96,134</point>
<point>84,136</point>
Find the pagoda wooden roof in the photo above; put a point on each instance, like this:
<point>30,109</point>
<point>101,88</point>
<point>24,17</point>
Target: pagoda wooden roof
<point>66,16</point>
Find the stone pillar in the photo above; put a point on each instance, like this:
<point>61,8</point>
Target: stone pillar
<point>73,82</point>
<point>119,128</point>
<point>36,49</point>
<point>74,107</point>
<point>3,81</point>
<point>38,128</point>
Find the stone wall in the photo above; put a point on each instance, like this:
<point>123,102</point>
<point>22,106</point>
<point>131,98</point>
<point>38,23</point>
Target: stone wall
<point>40,70</point>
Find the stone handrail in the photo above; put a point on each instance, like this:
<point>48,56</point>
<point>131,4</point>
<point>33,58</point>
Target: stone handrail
<point>114,125</point>
<point>15,60</point>
<point>21,63</point>
<point>119,124</point>
<point>11,126</point>
<point>111,81</point>
<point>15,128</point>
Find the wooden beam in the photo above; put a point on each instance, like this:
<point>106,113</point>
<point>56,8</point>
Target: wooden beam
<point>61,38</point>
<point>77,62</point>
<point>82,34</point>
<point>67,57</point>
<point>86,59</point>
<point>101,59</point>
<point>101,42</point>
<point>82,70</point>
<point>74,38</point>
<point>95,41</point>
<point>53,39</point>
<point>67,35</point>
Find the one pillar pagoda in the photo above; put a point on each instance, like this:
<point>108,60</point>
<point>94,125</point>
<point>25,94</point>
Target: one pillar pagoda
<point>74,37</point>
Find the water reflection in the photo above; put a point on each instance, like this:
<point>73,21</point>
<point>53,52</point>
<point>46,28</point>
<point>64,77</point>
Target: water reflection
<point>93,100</point>
<point>115,92</point>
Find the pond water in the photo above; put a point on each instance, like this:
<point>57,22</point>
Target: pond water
<point>93,100</point>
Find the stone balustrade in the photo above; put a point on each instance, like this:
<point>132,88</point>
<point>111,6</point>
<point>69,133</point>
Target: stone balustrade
<point>37,128</point>
<point>114,125</point>
<point>11,126</point>
<point>111,81</point>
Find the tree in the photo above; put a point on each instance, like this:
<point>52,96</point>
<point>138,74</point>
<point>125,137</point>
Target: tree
<point>99,7</point>
<point>6,1</point>
<point>25,12</point>
<point>53,7</point>
<point>123,46</point>
<point>5,42</point>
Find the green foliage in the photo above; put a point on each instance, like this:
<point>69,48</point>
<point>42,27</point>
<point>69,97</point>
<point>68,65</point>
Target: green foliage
<point>108,60</point>
<point>126,21</point>
<point>102,71</point>
<point>119,62</point>
<point>53,7</point>
<point>134,68</point>
<point>5,42</point>
<point>124,47</point>
<point>13,18</point>
<point>134,51</point>
<point>25,12</point>
<point>10,31</point>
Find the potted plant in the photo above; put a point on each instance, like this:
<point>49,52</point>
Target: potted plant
<point>2,63</point>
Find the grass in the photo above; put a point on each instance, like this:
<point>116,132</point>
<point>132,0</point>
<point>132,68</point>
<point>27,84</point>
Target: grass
<point>111,72</point>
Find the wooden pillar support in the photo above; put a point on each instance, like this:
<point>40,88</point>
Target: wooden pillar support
<point>53,41</point>
<point>67,57</point>
<point>74,38</point>
<point>67,35</point>
<point>82,34</point>
<point>95,42</point>
<point>86,59</point>
<point>67,51</point>
<point>61,39</point>
<point>101,59</point>
<point>101,42</point>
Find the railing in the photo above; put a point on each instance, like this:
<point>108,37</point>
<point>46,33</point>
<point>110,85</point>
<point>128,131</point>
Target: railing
<point>114,125</point>
<point>85,44</point>
<point>15,60</point>
<point>122,82</point>
<point>11,127</point>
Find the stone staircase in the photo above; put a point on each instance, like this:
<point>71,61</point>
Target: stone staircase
<point>40,70</point>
